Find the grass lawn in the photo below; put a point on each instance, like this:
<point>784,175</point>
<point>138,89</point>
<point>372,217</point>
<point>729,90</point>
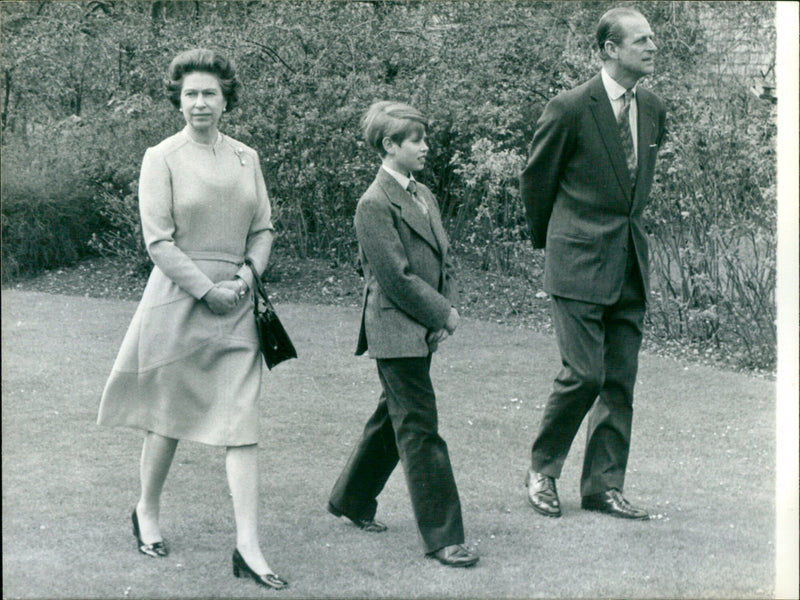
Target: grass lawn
<point>703,461</point>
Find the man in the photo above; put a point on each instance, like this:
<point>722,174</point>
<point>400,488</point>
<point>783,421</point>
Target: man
<point>585,187</point>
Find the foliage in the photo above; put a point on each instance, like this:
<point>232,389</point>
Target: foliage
<point>42,231</point>
<point>712,213</point>
<point>715,264</point>
<point>123,235</point>
<point>48,210</point>
<point>91,71</point>
<point>491,211</point>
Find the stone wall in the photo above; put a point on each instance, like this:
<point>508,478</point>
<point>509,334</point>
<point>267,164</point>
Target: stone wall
<point>740,38</point>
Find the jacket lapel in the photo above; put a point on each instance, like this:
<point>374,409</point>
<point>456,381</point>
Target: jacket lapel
<point>646,136</point>
<point>609,133</point>
<point>436,223</point>
<point>409,211</point>
<point>645,128</point>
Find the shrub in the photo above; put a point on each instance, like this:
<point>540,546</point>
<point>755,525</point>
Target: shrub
<point>82,98</point>
<point>41,232</point>
<point>122,236</point>
<point>48,209</point>
<point>490,220</point>
<point>712,220</point>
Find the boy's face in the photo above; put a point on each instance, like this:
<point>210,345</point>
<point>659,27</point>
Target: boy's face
<point>406,157</point>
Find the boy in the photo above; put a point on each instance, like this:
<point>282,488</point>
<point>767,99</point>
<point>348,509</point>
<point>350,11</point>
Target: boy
<point>407,310</point>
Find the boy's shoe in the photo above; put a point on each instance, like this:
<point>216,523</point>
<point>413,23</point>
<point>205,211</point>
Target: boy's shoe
<point>456,555</point>
<point>370,525</point>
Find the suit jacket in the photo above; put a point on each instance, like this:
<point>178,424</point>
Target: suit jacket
<point>408,287</point>
<point>578,197</point>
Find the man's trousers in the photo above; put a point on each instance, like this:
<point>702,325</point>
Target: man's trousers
<point>599,348</point>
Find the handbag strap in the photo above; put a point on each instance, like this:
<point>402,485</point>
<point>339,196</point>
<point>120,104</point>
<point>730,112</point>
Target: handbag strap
<point>259,287</point>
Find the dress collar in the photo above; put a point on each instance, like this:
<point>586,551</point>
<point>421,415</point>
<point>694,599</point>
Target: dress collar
<point>213,146</point>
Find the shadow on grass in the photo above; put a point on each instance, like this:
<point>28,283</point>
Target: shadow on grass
<point>702,461</point>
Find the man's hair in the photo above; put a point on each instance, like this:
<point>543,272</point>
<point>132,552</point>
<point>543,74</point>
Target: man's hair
<point>609,28</point>
<point>203,61</point>
<point>395,120</point>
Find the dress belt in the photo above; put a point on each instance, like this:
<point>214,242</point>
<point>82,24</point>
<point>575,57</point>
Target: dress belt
<point>236,259</point>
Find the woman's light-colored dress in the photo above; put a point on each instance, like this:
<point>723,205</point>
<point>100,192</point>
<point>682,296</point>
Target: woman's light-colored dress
<point>182,371</point>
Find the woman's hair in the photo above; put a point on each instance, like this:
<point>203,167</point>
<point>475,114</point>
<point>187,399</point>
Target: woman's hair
<point>609,28</point>
<point>204,61</point>
<point>395,120</point>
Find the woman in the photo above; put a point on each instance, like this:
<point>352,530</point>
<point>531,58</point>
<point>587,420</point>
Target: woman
<point>189,367</point>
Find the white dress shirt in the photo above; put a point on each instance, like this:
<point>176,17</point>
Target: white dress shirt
<point>401,179</point>
<point>404,181</point>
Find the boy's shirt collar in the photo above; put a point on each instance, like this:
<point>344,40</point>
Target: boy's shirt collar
<point>399,177</point>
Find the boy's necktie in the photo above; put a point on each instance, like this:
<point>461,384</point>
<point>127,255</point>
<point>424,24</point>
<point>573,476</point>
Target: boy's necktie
<point>412,189</point>
<point>624,123</point>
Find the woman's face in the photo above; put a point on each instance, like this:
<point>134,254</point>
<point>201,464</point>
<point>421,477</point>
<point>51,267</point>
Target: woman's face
<point>202,102</point>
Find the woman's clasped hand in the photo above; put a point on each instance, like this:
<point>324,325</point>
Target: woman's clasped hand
<point>223,297</point>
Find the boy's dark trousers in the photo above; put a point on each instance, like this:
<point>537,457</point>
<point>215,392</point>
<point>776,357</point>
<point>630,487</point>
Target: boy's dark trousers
<point>404,427</point>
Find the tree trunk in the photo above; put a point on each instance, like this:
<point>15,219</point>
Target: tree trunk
<point>6,97</point>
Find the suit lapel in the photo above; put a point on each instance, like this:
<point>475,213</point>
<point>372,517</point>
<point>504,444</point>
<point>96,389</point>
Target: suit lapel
<point>409,211</point>
<point>609,133</point>
<point>644,130</point>
<point>436,222</point>
<point>646,136</point>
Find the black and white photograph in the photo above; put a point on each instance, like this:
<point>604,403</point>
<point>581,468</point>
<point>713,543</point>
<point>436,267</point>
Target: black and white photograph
<point>491,299</point>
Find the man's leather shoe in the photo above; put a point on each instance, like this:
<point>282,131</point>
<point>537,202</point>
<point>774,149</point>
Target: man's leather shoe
<point>370,525</point>
<point>456,555</point>
<point>542,494</point>
<point>612,502</point>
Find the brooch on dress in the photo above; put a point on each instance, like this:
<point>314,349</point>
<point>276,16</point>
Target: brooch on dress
<point>238,152</point>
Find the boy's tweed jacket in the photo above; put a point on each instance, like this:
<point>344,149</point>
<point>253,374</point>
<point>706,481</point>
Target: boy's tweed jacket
<point>408,288</point>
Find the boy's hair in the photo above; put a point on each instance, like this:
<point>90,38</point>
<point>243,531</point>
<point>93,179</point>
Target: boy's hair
<point>204,61</point>
<point>395,120</point>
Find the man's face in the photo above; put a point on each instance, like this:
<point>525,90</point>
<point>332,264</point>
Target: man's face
<point>636,54</point>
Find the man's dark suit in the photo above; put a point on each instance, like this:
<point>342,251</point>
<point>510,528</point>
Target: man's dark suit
<point>583,209</point>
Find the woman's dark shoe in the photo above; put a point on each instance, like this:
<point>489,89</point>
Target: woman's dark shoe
<point>242,569</point>
<point>156,550</point>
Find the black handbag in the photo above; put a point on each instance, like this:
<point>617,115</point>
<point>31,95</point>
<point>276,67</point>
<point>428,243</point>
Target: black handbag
<point>275,343</point>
